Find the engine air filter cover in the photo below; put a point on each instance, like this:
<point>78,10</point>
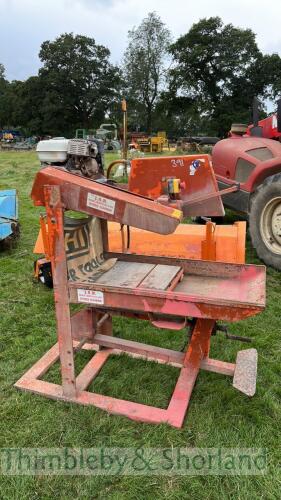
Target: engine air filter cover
<point>79,147</point>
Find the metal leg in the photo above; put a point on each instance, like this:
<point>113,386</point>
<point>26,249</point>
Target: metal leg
<point>197,350</point>
<point>194,359</point>
<point>55,213</point>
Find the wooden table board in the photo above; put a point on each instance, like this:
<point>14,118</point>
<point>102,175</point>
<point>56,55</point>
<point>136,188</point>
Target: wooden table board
<point>141,275</point>
<point>125,274</point>
<point>162,277</point>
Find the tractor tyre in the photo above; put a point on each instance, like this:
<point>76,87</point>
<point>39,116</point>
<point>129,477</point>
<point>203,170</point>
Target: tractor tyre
<point>45,275</point>
<point>265,221</point>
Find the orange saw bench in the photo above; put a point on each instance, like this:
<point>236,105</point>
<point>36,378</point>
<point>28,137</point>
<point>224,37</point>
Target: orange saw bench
<point>148,177</point>
<point>168,292</point>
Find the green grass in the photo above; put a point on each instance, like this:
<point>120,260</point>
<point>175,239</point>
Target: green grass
<point>218,415</point>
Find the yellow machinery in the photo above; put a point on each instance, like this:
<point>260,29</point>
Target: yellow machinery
<point>162,133</point>
<point>152,144</point>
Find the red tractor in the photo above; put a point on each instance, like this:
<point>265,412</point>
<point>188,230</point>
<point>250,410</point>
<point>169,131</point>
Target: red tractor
<point>251,159</point>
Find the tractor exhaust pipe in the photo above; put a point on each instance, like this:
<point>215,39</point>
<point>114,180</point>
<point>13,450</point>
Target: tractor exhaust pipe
<point>279,115</point>
<point>256,130</point>
<point>256,111</point>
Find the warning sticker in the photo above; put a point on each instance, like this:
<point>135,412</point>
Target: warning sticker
<point>194,166</point>
<point>100,203</point>
<point>90,296</point>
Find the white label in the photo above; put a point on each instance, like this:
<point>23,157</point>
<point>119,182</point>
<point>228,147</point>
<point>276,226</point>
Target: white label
<point>90,296</point>
<point>100,203</point>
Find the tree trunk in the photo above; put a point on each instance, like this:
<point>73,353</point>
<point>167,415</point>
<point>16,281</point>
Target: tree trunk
<point>148,119</point>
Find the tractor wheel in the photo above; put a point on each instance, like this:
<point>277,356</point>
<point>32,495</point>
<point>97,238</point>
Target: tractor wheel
<point>45,275</point>
<point>265,221</point>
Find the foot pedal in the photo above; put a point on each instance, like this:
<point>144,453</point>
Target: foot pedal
<point>245,373</point>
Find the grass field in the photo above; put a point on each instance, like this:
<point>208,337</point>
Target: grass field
<point>218,416</point>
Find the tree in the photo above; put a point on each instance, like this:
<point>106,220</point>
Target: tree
<point>272,64</point>
<point>3,88</point>
<point>21,106</point>
<point>144,66</point>
<point>80,83</point>
<point>220,68</point>
<point>27,102</point>
<point>2,72</point>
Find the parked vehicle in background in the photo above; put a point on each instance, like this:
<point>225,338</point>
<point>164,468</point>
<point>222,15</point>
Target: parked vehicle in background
<point>9,224</point>
<point>253,163</point>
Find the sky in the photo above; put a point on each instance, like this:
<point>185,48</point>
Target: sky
<point>25,24</point>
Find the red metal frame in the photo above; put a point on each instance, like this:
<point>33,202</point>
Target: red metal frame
<point>232,292</point>
<point>196,357</point>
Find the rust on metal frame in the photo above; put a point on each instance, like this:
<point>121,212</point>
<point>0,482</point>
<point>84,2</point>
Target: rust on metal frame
<point>208,291</point>
<point>78,192</point>
<point>190,364</point>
